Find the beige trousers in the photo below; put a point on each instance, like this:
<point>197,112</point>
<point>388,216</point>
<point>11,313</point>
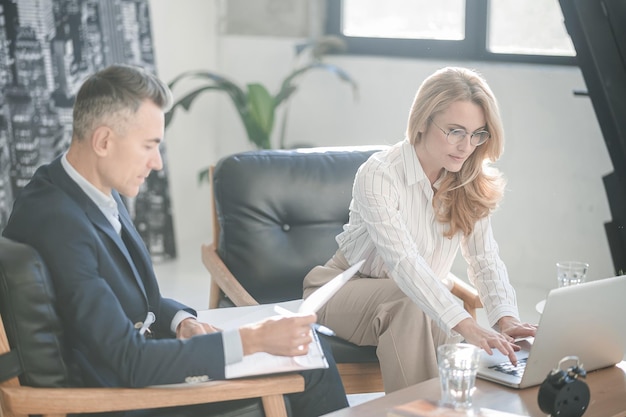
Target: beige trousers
<point>375,312</point>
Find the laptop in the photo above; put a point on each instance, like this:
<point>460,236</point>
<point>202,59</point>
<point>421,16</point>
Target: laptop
<point>586,320</point>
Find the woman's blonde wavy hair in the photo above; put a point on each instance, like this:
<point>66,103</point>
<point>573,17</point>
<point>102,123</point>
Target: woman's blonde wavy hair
<point>466,196</point>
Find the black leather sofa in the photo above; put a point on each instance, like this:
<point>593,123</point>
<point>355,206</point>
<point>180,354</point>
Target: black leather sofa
<point>277,213</point>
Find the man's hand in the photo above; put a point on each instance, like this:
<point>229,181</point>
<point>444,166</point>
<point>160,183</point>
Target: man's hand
<point>278,335</point>
<point>191,327</point>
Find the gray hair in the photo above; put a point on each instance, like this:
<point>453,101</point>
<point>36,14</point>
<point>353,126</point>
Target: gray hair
<point>112,95</point>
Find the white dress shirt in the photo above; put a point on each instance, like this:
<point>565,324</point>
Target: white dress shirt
<point>392,226</point>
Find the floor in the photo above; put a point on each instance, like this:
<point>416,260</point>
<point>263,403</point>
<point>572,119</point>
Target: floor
<point>186,280</point>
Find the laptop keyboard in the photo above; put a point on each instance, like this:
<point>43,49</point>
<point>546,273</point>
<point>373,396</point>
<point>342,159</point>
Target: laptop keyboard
<point>508,368</point>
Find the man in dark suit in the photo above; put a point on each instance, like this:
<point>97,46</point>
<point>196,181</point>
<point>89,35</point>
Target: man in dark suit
<point>122,331</point>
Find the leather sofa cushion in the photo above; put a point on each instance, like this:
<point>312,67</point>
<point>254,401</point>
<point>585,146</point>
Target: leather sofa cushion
<point>32,325</point>
<point>279,212</point>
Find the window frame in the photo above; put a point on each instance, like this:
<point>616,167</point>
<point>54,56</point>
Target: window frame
<point>473,47</point>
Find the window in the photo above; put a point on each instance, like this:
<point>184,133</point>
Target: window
<point>500,30</point>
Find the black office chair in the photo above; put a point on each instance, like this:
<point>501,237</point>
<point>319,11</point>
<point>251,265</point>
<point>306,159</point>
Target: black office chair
<point>37,374</point>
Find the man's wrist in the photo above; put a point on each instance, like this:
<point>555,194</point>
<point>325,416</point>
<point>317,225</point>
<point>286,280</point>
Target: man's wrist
<point>249,339</point>
<point>178,318</point>
<point>182,322</point>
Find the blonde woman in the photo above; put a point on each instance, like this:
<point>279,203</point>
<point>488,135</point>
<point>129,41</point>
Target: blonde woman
<point>413,206</point>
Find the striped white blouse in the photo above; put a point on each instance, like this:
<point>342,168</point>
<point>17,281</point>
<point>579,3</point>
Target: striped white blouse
<point>392,225</point>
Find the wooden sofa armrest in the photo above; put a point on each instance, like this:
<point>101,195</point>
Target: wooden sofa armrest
<point>467,293</point>
<point>223,280</point>
<point>57,402</point>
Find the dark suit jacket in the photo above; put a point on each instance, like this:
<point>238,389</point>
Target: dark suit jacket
<point>102,291</point>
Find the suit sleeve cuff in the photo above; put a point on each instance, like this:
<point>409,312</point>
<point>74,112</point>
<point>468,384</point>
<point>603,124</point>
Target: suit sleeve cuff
<point>178,317</point>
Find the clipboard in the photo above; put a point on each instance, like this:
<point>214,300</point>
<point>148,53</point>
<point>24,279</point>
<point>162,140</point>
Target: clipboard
<point>261,363</point>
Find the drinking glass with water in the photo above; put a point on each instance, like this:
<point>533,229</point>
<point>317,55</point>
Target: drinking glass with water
<point>458,365</point>
<point>571,273</point>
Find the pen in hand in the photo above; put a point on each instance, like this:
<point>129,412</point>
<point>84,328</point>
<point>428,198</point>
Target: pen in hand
<point>323,329</point>
<point>316,326</point>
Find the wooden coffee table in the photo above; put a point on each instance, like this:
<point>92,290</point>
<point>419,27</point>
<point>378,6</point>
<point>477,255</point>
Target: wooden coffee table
<point>607,386</point>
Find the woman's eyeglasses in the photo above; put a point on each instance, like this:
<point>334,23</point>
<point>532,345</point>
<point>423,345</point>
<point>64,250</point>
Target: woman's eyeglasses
<point>456,136</point>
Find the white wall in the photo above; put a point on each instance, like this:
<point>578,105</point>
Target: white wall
<point>555,157</point>
<point>184,34</point>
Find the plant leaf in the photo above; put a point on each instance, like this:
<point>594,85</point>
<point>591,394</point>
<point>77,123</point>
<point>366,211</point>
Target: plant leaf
<point>186,101</point>
<point>288,88</point>
<point>321,46</point>
<point>261,105</point>
<point>257,135</point>
<point>203,176</point>
<point>211,81</point>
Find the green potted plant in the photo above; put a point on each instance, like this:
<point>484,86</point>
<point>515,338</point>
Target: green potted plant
<point>254,103</point>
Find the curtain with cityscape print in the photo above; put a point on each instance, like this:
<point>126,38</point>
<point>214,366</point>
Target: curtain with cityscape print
<point>47,48</point>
